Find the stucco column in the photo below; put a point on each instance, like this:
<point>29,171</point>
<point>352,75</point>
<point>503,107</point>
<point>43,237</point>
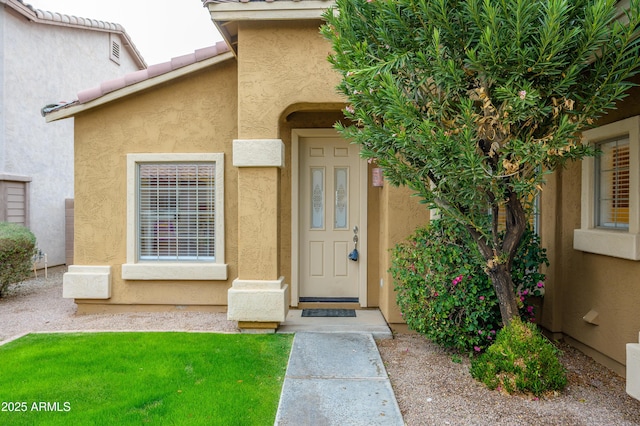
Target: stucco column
<point>259,298</point>
<point>258,224</point>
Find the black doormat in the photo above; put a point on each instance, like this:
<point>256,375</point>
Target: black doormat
<point>328,312</point>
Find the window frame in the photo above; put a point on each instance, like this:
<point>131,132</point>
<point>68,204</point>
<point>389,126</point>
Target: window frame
<point>24,182</point>
<point>616,171</point>
<point>592,238</point>
<point>137,269</point>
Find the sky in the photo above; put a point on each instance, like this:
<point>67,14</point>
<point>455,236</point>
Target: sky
<point>160,29</point>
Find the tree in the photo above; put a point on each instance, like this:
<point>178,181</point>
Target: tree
<point>471,103</point>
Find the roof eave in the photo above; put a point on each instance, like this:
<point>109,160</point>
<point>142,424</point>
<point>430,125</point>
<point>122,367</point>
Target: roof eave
<point>226,14</point>
<point>75,109</point>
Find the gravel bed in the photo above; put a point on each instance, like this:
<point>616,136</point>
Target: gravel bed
<point>37,305</point>
<point>430,388</point>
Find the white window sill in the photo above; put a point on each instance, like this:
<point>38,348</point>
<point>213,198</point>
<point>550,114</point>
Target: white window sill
<point>174,271</point>
<point>609,243</point>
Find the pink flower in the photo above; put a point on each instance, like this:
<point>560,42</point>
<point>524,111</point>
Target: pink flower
<point>481,297</point>
<point>480,332</point>
<point>350,109</point>
<point>540,284</point>
<point>524,293</point>
<point>477,348</point>
<point>436,294</point>
<point>492,332</point>
<point>456,280</point>
<point>522,94</point>
<point>530,309</point>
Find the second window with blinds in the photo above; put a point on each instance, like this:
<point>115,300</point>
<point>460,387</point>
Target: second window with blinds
<point>610,199</point>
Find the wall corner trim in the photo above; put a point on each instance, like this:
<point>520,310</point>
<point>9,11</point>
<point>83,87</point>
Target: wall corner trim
<point>258,153</point>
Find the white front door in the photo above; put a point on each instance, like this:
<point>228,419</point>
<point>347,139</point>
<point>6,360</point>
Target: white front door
<point>329,213</point>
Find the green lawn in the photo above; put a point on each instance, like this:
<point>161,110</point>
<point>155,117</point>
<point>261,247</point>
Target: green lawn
<point>142,378</point>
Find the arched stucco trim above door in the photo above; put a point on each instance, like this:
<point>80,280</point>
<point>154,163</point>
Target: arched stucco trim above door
<point>296,135</point>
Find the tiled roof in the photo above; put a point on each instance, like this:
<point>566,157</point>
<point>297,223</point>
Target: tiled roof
<point>152,71</point>
<point>54,18</point>
<point>142,75</point>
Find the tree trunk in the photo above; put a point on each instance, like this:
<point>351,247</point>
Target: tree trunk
<point>500,257</point>
<point>503,285</point>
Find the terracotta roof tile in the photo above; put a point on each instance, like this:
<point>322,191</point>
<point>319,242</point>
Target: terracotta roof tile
<point>153,71</point>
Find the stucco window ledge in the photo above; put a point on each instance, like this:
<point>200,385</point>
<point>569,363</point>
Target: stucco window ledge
<point>620,244</point>
<point>174,271</point>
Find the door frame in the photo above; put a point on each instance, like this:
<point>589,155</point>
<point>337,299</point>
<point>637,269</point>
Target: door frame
<point>296,134</point>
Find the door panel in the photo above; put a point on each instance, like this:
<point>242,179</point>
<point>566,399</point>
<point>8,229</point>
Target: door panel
<point>329,210</point>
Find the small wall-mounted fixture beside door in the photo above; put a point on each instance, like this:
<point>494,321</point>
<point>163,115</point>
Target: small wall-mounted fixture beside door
<point>377,178</point>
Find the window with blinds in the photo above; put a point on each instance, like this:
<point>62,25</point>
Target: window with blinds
<point>612,184</point>
<point>176,211</point>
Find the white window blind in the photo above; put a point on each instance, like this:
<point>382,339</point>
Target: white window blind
<point>176,210</point>
<point>612,176</point>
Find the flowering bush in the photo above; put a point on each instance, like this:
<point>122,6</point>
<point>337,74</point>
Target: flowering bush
<point>444,293</point>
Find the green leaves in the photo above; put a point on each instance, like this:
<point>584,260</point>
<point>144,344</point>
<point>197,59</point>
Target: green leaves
<point>443,291</point>
<point>458,99</point>
<point>17,247</point>
<point>471,102</point>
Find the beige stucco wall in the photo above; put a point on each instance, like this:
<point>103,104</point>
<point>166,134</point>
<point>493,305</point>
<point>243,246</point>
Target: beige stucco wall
<point>281,64</point>
<point>281,85</point>
<point>584,282</point>
<point>400,215</point>
<point>193,114</point>
<point>285,82</point>
<point>579,282</point>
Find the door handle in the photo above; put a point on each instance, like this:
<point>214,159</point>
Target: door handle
<point>354,253</point>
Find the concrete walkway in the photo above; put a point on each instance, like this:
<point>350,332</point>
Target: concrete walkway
<point>336,378</point>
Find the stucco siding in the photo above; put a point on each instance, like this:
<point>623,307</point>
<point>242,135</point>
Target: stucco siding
<point>45,64</point>
<point>579,283</point>
<point>587,282</point>
<point>281,65</point>
<point>190,115</point>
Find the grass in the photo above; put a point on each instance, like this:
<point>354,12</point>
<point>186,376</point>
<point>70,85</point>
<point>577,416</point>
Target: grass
<point>142,378</point>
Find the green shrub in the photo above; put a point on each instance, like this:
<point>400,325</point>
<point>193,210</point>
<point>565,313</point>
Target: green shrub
<point>17,246</point>
<point>443,291</point>
<point>520,360</point>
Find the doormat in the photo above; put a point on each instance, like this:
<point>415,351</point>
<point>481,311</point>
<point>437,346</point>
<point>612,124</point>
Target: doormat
<point>328,312</point>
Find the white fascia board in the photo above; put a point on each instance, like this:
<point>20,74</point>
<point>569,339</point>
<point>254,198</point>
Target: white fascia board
<point>265,11</point>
